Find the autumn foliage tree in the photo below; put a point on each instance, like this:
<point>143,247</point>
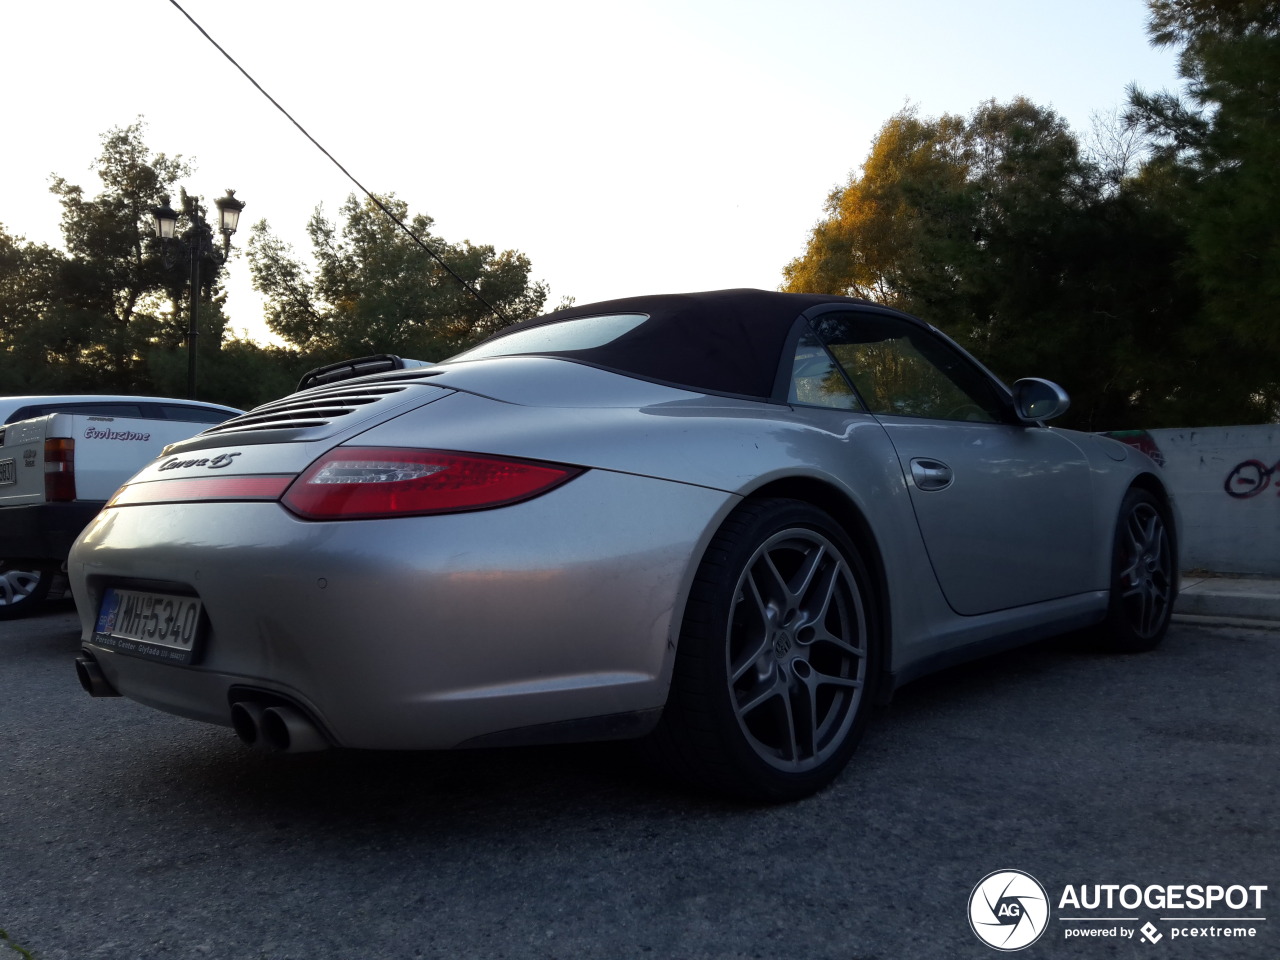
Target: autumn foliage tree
<point>1140,271</point>
<point>999,229</point>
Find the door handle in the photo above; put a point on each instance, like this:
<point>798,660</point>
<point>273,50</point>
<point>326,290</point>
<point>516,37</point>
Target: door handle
<point>930,475</point>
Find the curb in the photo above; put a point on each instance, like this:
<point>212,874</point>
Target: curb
<point>1230,599</point>
<point>1210,620</point>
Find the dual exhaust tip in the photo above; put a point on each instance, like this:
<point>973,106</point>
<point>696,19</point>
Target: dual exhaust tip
<point>279,728</point>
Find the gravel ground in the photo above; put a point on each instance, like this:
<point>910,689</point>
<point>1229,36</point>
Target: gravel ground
<point>128,834</point>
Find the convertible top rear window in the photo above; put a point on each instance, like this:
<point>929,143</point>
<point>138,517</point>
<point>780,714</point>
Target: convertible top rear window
<point>581,333</point>
<point>724,341</point>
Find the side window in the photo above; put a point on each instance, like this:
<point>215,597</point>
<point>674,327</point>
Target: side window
<point>816,381</point>
<point>173,411</point>
<point>25,413</point>
<point>106,409</point>
<point>902,369</point>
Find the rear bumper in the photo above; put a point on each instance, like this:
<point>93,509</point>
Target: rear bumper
<point>422,632</point>
<point>43,531</point>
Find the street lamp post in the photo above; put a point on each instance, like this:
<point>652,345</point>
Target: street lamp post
<point>192,247</point>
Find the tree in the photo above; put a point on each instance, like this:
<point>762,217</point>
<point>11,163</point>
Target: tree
<point>868,242</point>
<point>28,273</point>
<point>1040,259</point>
<point>88,319</point>
<point>375,291</point>
<point>112,291</point>
<point>106,315</point>
<point>1218,148</point>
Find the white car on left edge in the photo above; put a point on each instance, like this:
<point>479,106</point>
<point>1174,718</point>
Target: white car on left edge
<point>61,458</point>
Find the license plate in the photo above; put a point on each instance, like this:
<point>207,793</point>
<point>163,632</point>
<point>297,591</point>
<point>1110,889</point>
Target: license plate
<point>159,626</point>
<point>8,471</point>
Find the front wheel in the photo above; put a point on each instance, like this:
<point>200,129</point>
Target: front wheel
<point>23,589</point>
<point>777,656</point>
<point>1144,575</point>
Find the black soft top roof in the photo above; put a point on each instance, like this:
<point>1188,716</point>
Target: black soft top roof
<point>720,341</point>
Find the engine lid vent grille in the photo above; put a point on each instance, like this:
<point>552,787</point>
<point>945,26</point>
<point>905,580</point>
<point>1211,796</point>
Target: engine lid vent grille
<point>318,407</point>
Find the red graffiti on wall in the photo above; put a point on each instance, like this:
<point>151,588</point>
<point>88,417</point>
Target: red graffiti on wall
<point>1250,478</point>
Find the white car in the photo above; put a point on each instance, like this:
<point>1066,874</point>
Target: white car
<point>61,458</point>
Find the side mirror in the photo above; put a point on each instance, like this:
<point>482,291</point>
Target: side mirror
<point>1036,400</point>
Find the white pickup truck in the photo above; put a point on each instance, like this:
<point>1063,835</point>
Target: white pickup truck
<point>61,459</point>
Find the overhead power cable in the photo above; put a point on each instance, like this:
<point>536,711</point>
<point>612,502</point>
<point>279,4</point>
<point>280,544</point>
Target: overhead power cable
<point>470,288</point>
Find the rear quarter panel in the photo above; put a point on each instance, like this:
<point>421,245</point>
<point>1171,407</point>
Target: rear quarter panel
<point>739,447</point>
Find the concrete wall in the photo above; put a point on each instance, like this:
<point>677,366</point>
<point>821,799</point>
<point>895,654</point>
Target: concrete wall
<point>1227,481</point>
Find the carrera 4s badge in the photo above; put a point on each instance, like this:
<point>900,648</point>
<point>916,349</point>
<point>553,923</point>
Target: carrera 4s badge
<point>214,463</point>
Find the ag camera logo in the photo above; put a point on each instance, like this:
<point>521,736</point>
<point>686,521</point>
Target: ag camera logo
<point>1008,910</point>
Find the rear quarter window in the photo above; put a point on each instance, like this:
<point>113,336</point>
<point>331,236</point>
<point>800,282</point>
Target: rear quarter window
<point>563,336</point>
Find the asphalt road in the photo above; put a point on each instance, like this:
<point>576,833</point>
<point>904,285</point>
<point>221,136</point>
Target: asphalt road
<point>126,833</point>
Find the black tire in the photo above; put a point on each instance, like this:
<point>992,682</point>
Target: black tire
<point>1144,575</point>
<point>777,659</point>
<point>23,588</point>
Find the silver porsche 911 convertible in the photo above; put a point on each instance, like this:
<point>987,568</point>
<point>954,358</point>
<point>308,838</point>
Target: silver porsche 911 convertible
<point>725,522</point>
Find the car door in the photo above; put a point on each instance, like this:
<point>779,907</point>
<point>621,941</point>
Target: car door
<point>1003,506</point>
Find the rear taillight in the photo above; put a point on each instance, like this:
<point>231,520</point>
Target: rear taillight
<point>59,469</point>
<point>350,483</point>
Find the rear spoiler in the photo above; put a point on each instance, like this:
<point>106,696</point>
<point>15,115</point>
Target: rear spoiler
<point>360,367</point>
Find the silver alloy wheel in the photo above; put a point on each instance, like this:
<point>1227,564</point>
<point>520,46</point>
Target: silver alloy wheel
<point>18,586</point>
<point>797,650</point>
<point>1146,571</point>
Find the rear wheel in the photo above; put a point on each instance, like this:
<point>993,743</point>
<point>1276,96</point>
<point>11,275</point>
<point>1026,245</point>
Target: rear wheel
<point>23,588</point>
<point>1144,578</point>
<point>773,674</point>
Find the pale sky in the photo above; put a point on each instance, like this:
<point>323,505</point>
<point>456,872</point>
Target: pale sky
<point>646,147</point>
